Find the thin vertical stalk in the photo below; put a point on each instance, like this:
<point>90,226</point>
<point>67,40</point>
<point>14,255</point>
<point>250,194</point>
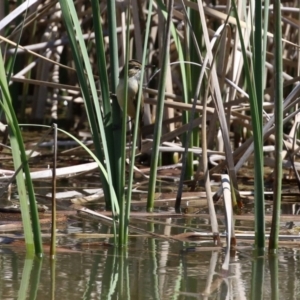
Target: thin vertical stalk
<point>53,216</point>
<point>195,70</point>
<point>278,112</point>
<point>113,49</point>
<point>107,109</point>
<point>258,166</point>
<point>159,111</point>
<point>191,82</point>
<point>258,145</point>
<point>258,67</point>
<point>135,132</point>
<point>116,111</point>
<point>265,40</point>
<point>185,81</point>
<point>210,203</point>
<point>123,216</point>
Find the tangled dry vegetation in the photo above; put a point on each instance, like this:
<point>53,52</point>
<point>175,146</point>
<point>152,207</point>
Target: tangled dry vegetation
<point>45,88</point>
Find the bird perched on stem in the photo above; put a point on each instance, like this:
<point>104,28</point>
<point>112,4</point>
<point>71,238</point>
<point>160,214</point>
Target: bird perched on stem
<point>134,77</point>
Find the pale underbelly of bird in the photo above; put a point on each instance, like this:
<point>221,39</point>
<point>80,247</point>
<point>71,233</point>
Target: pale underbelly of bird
<point>133,87</point>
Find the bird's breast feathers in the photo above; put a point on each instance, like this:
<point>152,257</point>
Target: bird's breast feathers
<point>133,87</point>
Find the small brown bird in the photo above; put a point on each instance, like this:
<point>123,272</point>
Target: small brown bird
<point>134,76</point>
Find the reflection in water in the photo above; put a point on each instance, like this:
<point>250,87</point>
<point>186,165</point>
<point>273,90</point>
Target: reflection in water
<point>148,269</point>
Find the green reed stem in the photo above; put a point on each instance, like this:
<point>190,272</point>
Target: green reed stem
<point>159,111</point>
<point>256,115</point>
<point>278,112</point>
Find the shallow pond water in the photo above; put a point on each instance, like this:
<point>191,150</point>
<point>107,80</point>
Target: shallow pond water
<point>148,269</point>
